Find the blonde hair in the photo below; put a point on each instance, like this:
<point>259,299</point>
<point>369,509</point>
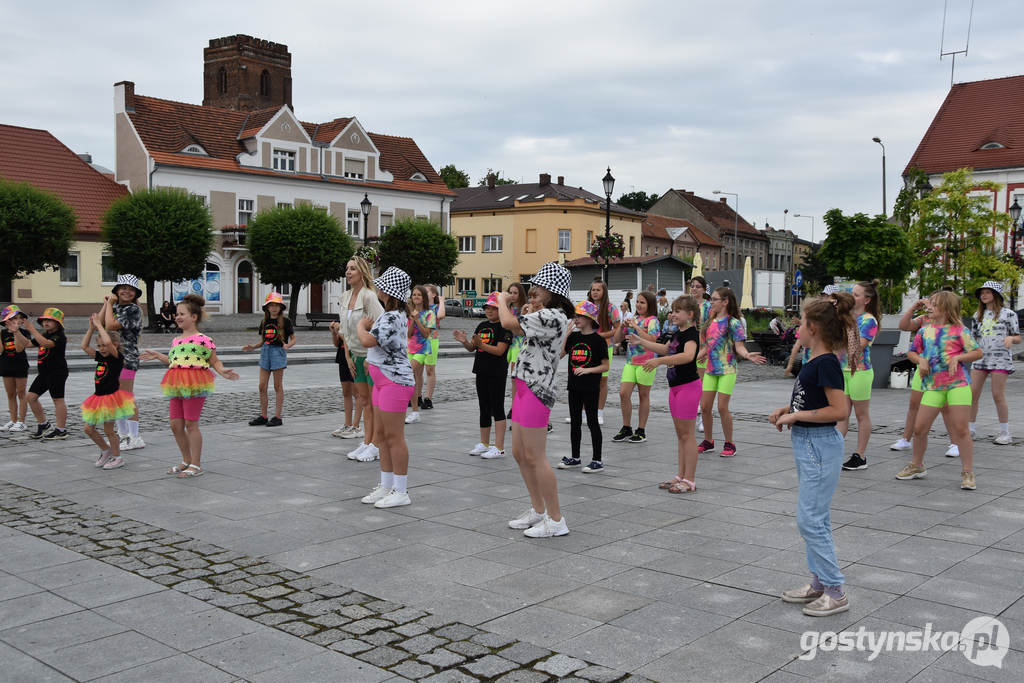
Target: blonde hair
<point>365,272</point>
<point>687,303</point>
<point>947,304</point>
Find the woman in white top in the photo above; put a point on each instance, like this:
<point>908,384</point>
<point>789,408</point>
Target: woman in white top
<point>359,302</point>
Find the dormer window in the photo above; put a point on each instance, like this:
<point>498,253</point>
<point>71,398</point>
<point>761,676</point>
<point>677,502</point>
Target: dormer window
<point>284,160</point>
<point>418,176</point>
<point>993,145</point>
<point>195,149</point>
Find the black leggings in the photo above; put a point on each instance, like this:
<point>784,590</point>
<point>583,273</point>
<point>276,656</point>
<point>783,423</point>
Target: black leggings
<point>578,402</point>
<point>490,392</point>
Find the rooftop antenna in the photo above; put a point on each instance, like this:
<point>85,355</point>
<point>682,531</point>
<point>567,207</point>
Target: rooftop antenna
<point>942,39</point>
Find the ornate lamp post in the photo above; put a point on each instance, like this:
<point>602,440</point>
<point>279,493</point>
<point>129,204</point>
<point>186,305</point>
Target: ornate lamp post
<point>735,229</point>
<point>1016,230</point>
<point>884,204</point>
<point>609,185</point>
<point>364,206</point>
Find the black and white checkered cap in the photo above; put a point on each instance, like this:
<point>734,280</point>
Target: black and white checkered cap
<point>394,282</point>
<point>996,287</point>
<point>553,278</point>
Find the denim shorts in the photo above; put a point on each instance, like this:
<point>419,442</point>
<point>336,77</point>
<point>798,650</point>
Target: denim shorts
<point>273,357</point>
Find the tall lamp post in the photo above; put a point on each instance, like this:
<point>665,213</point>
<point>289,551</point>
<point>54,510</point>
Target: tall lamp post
<point>735,229</point>
<point>1014,212</point>
<point>803,215</point>
<point>609,185</point>
<point>884,203</point>
<point>364,206</point>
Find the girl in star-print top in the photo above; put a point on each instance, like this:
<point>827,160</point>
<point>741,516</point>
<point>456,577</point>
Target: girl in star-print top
<point>108,402</point>
<point>188,381</point>
<point>535,393</point>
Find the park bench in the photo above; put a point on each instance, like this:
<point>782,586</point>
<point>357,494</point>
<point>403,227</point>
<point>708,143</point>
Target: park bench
<point>316,318</point>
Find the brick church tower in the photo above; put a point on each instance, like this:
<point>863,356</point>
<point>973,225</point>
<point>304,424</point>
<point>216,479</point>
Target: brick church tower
<point>245,73</point>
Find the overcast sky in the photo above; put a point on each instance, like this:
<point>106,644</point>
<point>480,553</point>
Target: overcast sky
<point>777,101</point>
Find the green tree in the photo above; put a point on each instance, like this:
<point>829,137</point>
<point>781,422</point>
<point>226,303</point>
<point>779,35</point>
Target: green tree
<point>863,248</point>
<point>159,234</point>
<point>638,200</point>
<point>454,177</point>
<point>35,228</point>
<point>299,245</point>
<point>950,231</point>
<point>421,249</point>
<point>498,180</point>
<point>815,273</point>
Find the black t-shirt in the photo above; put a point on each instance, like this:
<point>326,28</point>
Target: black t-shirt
<point>585,351</point>
<point>11,357</point>
<point>268,330</point>
<point>819,373</point>
<point>52,359</point>
<point>108,374</point>
<point>687,372</point>
<point>487,364</point>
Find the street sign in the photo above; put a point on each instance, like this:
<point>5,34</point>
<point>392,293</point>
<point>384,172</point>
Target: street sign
<point>797,291</point>
<point>798,279</point>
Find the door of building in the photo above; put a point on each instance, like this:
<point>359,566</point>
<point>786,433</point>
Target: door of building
<point>244,285</point>
<point>316,297</point>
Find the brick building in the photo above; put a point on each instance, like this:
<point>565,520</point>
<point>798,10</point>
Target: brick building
<point>718,220</point>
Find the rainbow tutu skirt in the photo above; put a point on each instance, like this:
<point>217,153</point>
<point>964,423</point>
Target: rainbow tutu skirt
<point>99,409</point>
<point>187,382</point>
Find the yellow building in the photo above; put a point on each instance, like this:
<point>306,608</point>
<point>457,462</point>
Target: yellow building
<point>506,232</point>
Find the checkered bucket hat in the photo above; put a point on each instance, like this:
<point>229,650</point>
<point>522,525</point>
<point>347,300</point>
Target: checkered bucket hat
<point>996,287</point>
<point>553,278</point>
<point>130,281</point>
<point>394,282</point>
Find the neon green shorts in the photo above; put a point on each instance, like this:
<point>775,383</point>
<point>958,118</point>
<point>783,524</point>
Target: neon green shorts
<point>362,374</point>
<point>702,364</point>
<point>637,375</point>
<point>723,384</point>
<point>420,358</point>
<point>915,382</point>
<point>957,396</point>
<point>605,373</point>
<point>435,345</point>
<point>513,354</point>
<point>858,384</point>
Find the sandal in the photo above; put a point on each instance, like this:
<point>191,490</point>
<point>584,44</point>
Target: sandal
<point>178,469</point>
<point>670,483</point>
<point>192,471</point>
<point>683,486</point>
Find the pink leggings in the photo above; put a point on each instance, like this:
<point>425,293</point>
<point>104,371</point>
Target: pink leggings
<point>187,408</point>
<point>527,409</point>
<point>684,400</point>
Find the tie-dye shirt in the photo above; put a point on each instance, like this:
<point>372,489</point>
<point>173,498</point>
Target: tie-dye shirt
<point>389,354</point>
<point>419,343</point>
<point>990,333</point>
<point>937,344</point>
<point>614,317</point>
<point>720,337</point>
<point>635,353</point>
<point>867,328</point>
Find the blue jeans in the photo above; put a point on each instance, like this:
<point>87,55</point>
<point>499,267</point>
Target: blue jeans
<point>818,452</point>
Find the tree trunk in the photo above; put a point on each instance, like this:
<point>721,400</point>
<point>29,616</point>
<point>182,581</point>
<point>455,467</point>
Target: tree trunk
<point>150,306</point>
<point>293,305</point>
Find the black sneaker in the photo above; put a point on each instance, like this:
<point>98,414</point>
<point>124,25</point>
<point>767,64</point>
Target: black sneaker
<point>419,403</point>
<point>639,436</point>
<point>427,404</point>
<point>623,434</point>
<point>855,463</point>
<point>40,430</point>
<point>56,435</point>
<point>274,422</point>
<point>258,421</point>
<point>569,462</point>
<point>594,466</point>
<point>549,427</point>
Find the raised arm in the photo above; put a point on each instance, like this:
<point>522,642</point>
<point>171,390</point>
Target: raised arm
<point>109,321</point>
<point>907,320</point>
<point>505,315</point>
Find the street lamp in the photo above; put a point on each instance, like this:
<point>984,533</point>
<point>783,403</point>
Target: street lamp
<point>1014,212</point>
<point>609,185</point>
<point>803,215</point>
<point>735,229</point>
<point>365,207</point>
<point>884,204</point>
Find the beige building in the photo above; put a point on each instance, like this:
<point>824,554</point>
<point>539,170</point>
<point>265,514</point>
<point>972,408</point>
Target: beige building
<point>506,232</point>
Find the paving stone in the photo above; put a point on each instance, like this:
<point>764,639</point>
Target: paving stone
<point>351,646</point>
<point>264,568</point>
<point>183,555</point>
<point>198,563</point>
<point>237,575</point>
<point>421,644</point>
<point>404,615</point>
<point>250,610</point>
<point>435,621</point>
<point>269,592</point>
<point>303,597</point>
<point>264,580</point>
<point>383,656</point>
<point>413,670</point>
<point>365,626</point>
<point>599,674</point>
<point>303,584</point>
<point>454,676</point>
<point>492,640</point>
<point>524,676</point>
<point>274,618</point>
<point>193,573</point>
<point>157,570</point>
<point>410,630</point>
<point>328,620</point>
<point>191,586</point>
<point>246,561</point>
<point>207,594</point>
<point>560,665</point>
<point>457,632</point>
<point>381,606</point>
<point>298,628</point>
<point>223,567</point>
<point>490,666</point>
<point>355,611</point>
<point>240,587</point>
<point>442,658</point>
<point>524,653</point>
<point>464,647</point>
<point>330,590</point>
<point>327,637</point>
<point>226,600</point>
<point>281,603</point>
<point>382,637</point>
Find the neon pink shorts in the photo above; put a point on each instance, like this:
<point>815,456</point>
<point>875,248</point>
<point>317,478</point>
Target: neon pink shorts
<point>127,374</point>
<point>388,396</point>
<point>188,409</point>
<point>684,400</point>
<point>527,409</point>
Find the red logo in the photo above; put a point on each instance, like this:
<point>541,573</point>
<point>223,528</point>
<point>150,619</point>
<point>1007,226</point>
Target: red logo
<point>486,336</point>
<point>579,355</point>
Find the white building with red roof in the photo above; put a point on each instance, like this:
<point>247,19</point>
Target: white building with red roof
<point>244,150</point>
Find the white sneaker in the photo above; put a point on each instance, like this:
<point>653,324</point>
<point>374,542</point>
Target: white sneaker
<point>600,418</point>
<point>568,420</point>
<point>104,458</point>
<point>369,454</point>
<point>356,452</point>
<point>700,424</point>
<point>354,433</point>
<point>376,494</point>
<point>974,434</point>
<point>479,449</point>
<point>953,451</point>
<point>901,445</point>
<point>18,427</point>
<point>1003,440</point>
<point>547,527</point>
<point>114,463</point>
<point>6,427</point>
<point>526,520</point>
<point>132,443</point>
<point>340,432</point>
<point>412,418</point>
<point>393,499</point>
<point>492,452</point>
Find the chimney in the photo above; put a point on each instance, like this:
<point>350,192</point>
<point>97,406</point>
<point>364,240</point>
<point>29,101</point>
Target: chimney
<point>545,179</point>
<point>724,200</point>
<point>129,94</point>
<point>491,179</point>
<point>561,180</point>
<point>87,158</point>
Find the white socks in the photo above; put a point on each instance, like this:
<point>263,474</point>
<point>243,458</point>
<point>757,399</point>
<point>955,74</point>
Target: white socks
<point>387,480</point>
<point>970,426</point>
<point>401,482</point>
<point>133,427</point>
<point>1004,428</point>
